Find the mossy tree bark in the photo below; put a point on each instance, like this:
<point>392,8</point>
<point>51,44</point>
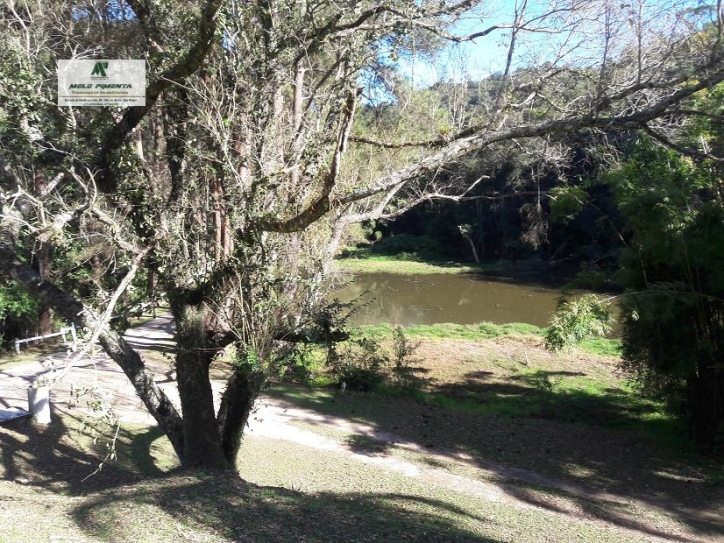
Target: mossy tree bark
<point>202,442</point>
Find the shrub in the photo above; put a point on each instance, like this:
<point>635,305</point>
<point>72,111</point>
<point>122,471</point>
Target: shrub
<point>18,314</point>
<point>410,247</point>
<point>364,365</point>
<point>403,356</point>
<point>577,320</point>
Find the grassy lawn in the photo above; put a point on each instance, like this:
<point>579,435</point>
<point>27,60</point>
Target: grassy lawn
<point>363,260</point>
<point>289,492</point>
<point>512,408</point>
<point>489,369</point>
<point>500,441</point>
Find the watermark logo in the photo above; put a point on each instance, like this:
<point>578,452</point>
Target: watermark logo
<point>116,83</point>
<point>100,69</point>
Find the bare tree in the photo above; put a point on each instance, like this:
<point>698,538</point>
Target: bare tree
<point>250,164</point>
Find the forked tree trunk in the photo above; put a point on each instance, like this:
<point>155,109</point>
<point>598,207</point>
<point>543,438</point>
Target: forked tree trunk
<point>210,441</point>
<point>199,439</point>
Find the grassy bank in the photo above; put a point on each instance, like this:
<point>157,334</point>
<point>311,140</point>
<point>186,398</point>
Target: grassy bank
<point>388,264</point>
<point>505,370</point>
<point>482,331</point>
<point>366,260</point>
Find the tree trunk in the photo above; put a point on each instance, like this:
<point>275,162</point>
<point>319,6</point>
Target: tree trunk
<point>139,142</point>
<point>472,248</point>
<point>236,405</point>
<point>227,237</point>
<point>202,442</point>
<point>706,403</point>
<point>45,313</point>
<point>151,280</point>
<point>218,219</point>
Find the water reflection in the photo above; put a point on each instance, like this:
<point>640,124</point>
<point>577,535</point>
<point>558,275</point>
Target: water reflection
<point>462,299</point>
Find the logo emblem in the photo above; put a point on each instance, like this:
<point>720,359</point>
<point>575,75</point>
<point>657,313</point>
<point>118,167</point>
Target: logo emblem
<point>100,69</point>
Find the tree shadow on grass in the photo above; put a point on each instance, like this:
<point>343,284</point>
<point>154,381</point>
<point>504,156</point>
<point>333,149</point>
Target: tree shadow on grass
<point>132,500</point>
<point>224,506</point>
<point>62,456</point>
<point>537,394</point>
<point>366,445</point>
<point>616,512</point>
<point>532,436</point>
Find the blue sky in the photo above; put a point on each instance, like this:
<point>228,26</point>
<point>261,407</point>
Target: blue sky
<point>486,55</point>
<point>473,60</point>
<point>470,61</point>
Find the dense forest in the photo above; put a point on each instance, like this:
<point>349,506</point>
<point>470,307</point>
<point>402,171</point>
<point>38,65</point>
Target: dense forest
<point>564,208</point>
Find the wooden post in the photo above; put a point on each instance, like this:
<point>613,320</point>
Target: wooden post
<point>39,403</point>
<point>73,335</point>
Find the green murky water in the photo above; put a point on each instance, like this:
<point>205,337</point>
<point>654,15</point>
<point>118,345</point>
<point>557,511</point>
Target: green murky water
<point>436,298</point>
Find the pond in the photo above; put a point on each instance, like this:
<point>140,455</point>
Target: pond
<point>456,298</point>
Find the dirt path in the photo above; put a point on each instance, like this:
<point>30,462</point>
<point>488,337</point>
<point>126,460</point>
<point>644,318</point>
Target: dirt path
<point>278,419</point>
<point>96,371</point>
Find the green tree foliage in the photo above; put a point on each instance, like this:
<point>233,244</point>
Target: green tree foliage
<point>673,319</point>
<point>18,312</point>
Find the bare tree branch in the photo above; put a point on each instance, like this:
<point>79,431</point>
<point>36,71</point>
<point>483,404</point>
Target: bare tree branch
<point>661,138</point>
<point>470,144</point>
